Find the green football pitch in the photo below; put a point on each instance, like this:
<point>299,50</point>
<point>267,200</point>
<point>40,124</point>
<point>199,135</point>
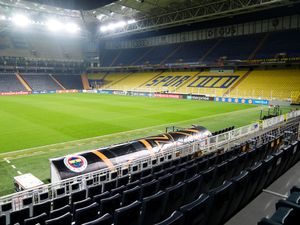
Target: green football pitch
<point>35,128</point>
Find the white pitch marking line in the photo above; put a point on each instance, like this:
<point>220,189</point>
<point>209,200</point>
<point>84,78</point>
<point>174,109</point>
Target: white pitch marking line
<point>6,160</point>
<point>19,172</point>
<point>13,166</point>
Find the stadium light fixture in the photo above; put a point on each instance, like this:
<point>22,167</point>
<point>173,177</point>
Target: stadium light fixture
<point>54,25</point>
<point>113,26</point>
<point>3,17</point>
<point>132,21</point>
<point>72,28</point>
<point>21,20</point>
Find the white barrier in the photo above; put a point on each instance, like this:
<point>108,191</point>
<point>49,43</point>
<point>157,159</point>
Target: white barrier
<point>205,146</point>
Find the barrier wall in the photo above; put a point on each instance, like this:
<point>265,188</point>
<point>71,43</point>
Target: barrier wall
<point>150,94</point>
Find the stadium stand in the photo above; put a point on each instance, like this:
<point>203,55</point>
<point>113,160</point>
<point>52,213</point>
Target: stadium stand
<point>285,42</point>
<point>287,211</point>
<point>181,187</point>
<point>269,84</point>
<point>9,82</point>
<point>70,81</point>
<point>40,82</point>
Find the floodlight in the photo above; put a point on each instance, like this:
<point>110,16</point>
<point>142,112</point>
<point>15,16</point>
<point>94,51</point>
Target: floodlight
<point>131,21</point>
<point>54,25</point>
<point>72,27</point>
<point>103,28</point>
<point>3,17</point>
<point>20,20</point>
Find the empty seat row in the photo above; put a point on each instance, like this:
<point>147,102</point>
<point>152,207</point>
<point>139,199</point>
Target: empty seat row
<point>287,211</point>
<point>194,177</point>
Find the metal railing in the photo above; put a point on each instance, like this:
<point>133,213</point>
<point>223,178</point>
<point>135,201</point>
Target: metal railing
<point>224,141</point>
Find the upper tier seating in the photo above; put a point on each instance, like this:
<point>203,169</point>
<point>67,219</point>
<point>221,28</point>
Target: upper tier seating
<point>208,51</point>
<point>70,81</point>
<point>9,82</point>
<point>193,188</point>
<point>269,84</point>
<point>41,82</point>
<point>281,42</point>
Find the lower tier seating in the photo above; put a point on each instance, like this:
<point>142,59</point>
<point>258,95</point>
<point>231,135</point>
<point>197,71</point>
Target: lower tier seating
<point>41,82</point>
<point>9,82</point>
<point>186,190</point>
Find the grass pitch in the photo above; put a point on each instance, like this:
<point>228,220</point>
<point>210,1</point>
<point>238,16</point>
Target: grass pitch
<point>53,125</point>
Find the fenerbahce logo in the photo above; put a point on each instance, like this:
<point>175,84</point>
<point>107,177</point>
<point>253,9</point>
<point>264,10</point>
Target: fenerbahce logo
<point>76,163</point>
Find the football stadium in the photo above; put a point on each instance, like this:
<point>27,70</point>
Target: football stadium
<point>149,112</point>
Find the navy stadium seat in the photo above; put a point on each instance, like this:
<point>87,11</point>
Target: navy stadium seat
<point>131,195</point>
<point>98,198</point>
<point>40,219</point>
<point>3,220</point>
<point>106,219</point>
<point>219,175</point>
<point>19,216</point>
<point>175,219</point>
<point>192,188</point>
<point>165,181</point>
<point>44,207</point>
<point>108,205</point>
<point>132,184</point>
<point>59,212</point>
<point>122,181</point>
<point>81,204</point>
<point>152,208</point>
<point>109,185</point>
<point>179,176</point>
<point>207,179</point>
<point>147,178</point>
<point>196,212</point>
<point>86,214</point>
<point>221,197</point>
<point>61,201</point>
<point>128,215</point>
<point>118,190</point>
<point>149,188</point>
<point>65,219</point>
<point>191,170</point>
<point>240,184</point>
<point>95,190</point>
<point>78,196</point>
<point>255,173</point>
<point>174,198</point>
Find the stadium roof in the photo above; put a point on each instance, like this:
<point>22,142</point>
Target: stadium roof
<point>119,17</point>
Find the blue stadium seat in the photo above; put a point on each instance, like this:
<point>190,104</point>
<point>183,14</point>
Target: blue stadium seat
<point>131,195</point>
<point>81,204</point>
<point>240,184</point>
<point>40,219</point>
<point>86,214</point>
<point>149,188</point>
<point>78,196</point>
<point>95,190</point>
<point>151,213</point>
<point>207,179</point>
<point>128,215</point>
<point>175,219</point>
<point>193,188</point>
<point>221,198</point>
<point>165,181</point>
<point>118,190</point>
<point>59,212</point>
<point>19,216</point>
<point>44,207</point>
<point>106,219</point>
<point>65,219</point>
<point>174,198</point>
<point>108,205</point>
<point>196,212</point>
<point>3,220</point>
<point>98,198</point>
